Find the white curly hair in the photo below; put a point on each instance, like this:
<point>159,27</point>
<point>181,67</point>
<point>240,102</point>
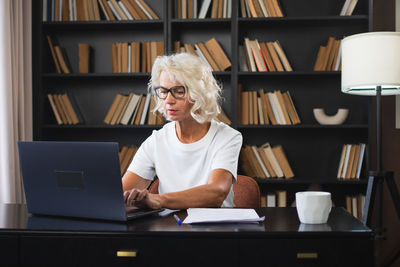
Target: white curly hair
<point>189,70</point>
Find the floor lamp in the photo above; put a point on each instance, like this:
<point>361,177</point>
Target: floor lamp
<point>371,67</point>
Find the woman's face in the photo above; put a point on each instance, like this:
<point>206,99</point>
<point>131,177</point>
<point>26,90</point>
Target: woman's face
<point>175,109</point>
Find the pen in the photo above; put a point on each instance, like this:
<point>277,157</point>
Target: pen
<point>177,220</point>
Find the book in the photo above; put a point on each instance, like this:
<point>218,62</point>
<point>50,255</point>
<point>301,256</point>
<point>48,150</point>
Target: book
<point>204,9</point>
<point>260,162</point>
<point>282,56</point>
<point>147,10</point>
<point>112,108</point>
<point>55,110</point>
<point>121,104</point>
<point>210,59</point>
<point>64,108</point>
<point>294,116</point>
<point>84,55</point>
<point>345,7</point>
<point>266,162</point>
<point>70,109</point>
<point>249,55</point>
<point>61,56</point>
<point>355,161</point>
<point>145,109</point>
<point>360,160</point>
<point>218,54</point>
<point>106,10</point>
<point>283,162</point>
<point>274,55</point>
<point>351,8</point>
<point>350,162</point>
<point>133,101</point>
<point>346,162</point>
<point>60,109</point>
<point>125,10</point>
<point>267,57</point>
<point>341,162</point>
<point>53,54</point>
<point>271,200</point>
<point>258,57</point>
<point>272,159</point>
<point>281,198</point>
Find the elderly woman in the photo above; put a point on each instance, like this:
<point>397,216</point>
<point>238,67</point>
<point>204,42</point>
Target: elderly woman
<point>194,157</point>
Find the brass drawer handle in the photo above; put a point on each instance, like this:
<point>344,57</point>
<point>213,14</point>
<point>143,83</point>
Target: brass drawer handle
<point>127,253</point>
<point>312,255</point>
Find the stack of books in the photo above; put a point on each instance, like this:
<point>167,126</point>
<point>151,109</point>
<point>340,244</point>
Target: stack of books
<point>351,161</point>
<point>59,57</point>
<point>215,9</point>
<point>274,199</point>
<point>348,7</point>
<point>135,56</point>
<point>266,108</point>
<point>265,162</point>
<point>329,56</point>
<point>65,109</point>
<point>262,56</point>
<point>210,51</point>
<point>355,205</point>
<point>126,155</point>
<point>133,109</point>
<point>88,10</point>
<point>260,8</point>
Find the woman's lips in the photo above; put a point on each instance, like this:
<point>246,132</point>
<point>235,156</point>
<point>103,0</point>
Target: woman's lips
<point>172,111</point>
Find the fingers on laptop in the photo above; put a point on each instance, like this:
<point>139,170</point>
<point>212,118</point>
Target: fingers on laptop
<point>134,195</point>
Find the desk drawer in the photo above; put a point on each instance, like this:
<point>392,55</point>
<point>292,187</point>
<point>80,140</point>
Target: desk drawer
<point>153,251</point>
<point>84,251</point>
<point>8,251</point>
<point>307,252</point>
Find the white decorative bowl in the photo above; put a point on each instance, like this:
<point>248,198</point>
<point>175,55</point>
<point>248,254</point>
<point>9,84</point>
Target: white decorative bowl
<point>338,118</point>
<point>313,206</point>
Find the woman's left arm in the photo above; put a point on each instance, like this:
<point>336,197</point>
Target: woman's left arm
<point>211,194</point>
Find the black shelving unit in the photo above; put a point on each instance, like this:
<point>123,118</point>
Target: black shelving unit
<point>313,150</point>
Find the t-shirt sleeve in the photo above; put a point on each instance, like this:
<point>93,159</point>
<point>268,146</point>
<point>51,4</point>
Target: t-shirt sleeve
<point>227,155</point>
<point>143,161</point>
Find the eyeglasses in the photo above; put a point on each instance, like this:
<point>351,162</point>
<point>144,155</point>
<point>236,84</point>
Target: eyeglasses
<point>178,92</point>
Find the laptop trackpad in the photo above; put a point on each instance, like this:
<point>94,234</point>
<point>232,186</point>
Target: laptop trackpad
<point>69,179</point>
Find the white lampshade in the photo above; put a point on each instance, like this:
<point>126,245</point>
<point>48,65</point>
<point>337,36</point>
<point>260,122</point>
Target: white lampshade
<point>369,60</point>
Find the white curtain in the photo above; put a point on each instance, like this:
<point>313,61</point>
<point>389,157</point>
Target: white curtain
<point>15,93</point>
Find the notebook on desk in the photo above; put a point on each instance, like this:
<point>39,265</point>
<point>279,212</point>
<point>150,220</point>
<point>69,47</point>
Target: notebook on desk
<point>75,179</point>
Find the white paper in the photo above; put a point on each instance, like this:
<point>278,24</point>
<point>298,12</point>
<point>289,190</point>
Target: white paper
<point>221,215</point>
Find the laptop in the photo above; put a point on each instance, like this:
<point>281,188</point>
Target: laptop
<point>75,179</point>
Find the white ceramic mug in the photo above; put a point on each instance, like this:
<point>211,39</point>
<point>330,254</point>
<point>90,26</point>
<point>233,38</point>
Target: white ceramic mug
<point>313,207</point>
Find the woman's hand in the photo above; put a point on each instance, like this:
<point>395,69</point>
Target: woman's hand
<point>142,198</point>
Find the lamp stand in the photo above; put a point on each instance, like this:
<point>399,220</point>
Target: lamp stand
<point>376,180</point>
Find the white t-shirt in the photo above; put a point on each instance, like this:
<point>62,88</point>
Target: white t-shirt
<point>182,166</point>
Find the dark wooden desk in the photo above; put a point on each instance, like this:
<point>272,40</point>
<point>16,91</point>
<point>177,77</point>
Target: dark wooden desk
<point>158,241</point>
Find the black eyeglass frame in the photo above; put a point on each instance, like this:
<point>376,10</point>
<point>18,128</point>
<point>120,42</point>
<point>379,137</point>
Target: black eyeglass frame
<point>170,90</point>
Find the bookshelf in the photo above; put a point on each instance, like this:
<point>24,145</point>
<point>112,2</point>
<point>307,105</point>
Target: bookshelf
<point>313,150</point>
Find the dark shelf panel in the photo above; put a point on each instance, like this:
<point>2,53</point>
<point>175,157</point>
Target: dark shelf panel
<point>299,181</point>
<point>289,73</point>
<point>201,21</point>
<point>96,75</point>
<point>311,19</point>
<point>305,126</point>
<point>102,24</point>
<point>84,126</point>
<point>111,75</point>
